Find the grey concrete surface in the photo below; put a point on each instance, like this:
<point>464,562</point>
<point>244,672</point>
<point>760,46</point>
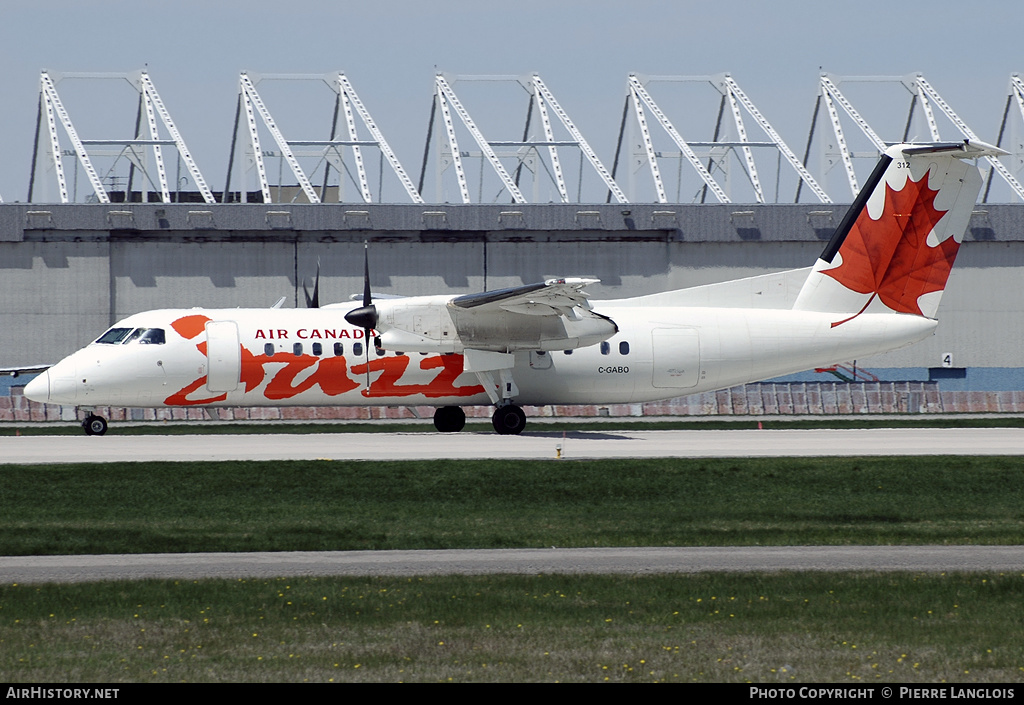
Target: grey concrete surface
<point>193,566</point>
<point>531,445</point>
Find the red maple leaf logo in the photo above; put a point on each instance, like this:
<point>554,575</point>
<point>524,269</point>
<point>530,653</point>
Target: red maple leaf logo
<point>889,256</point>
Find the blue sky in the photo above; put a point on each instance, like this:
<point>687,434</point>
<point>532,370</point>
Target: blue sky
<point>194,50</point>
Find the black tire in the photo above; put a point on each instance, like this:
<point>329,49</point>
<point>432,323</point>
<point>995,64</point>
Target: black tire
<point>94,425</point>
<point>509,420</point>
<point>449,419</point>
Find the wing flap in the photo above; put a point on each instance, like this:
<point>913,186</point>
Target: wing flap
<point>548,298</point>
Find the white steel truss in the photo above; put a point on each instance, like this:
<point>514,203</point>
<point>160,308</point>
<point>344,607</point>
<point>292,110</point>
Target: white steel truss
<point>640,96</point>
<point>926,91</point>
<point>52,104</point>
<point>526,150</point>
<point>831,95</point>
<point>329,152</point>
<point>922,93</point>
<point>1014,96</point>
<point>738,102</point>
<point>153,101</point>
<point>544,93</point>
<point>253,103</point>
<point>446,96</point>
<point>151,106</point>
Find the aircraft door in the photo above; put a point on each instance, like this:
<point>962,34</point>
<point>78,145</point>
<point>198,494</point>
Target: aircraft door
<point>224,356</point>
<point>676,358</point>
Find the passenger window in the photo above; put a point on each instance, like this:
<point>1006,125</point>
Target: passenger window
<point>339,349</point>
<point>268,350</point>
<point>357,349</point>
<point>606,348</point>
<point>318,349</point>
<point>568,352</point>
<point>623,348</point>
<point>297,349</point>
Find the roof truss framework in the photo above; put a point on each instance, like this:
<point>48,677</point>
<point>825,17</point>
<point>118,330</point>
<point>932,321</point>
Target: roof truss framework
<point>537,154</point>
<point>1014,98</point>
<point>923,97</point>
<point>717,152</point>
<point>48,153</point>
<point>329,153</point>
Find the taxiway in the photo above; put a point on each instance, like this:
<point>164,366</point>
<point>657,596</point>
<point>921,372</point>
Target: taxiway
<point>581,445</point>
<point>195,566</point>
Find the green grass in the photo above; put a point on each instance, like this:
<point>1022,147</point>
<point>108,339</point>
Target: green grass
<point>770,628</point>
<point>480,425</point>
<point>773,629</point>
<point>343,505</point>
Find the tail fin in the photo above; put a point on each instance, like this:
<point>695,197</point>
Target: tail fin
<point>895,247</point>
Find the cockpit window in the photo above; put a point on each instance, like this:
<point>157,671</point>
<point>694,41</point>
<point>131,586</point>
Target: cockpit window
<point>114,336</point>
<point>123,336</point>
<point>152,336</point>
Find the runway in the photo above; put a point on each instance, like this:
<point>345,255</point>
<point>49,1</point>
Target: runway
<point>583,445</point>
<point>632,561</point>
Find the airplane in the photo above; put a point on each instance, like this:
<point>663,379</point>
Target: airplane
<point>876,287</point>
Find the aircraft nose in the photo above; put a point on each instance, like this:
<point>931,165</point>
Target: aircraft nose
<point>56,385</point>
<point>38,388</point>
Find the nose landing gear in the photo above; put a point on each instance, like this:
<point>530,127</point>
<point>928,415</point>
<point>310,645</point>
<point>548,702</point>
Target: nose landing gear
<point>94,425</point>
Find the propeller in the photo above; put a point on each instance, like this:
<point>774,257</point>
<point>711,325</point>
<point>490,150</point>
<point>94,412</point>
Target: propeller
<point>314,300</point>
<point>365,316</point>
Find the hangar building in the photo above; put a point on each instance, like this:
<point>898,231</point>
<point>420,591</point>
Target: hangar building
<point>74,263</point>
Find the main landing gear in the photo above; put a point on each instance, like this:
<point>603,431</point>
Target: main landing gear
<point>94,425</point>
<point>449,419</point>
<point>508,420</point>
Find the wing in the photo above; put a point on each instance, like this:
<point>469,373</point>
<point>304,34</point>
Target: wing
<point>552,315</point>
<point>554,297</point>
<point>25,370</point>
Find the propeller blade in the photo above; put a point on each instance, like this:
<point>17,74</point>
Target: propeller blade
<point>365,316</point>
<point>314,300</point>
<point>371,308</point>
<point>366,274</point>
<point>366,337</point>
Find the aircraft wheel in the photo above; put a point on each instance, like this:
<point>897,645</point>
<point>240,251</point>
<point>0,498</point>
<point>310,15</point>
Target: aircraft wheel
<point>94,425</point>
<point>509,420</point>
<point>449,419</point>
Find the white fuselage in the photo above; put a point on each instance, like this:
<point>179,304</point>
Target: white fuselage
<point>312,357</point>
<point>876,287</point>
